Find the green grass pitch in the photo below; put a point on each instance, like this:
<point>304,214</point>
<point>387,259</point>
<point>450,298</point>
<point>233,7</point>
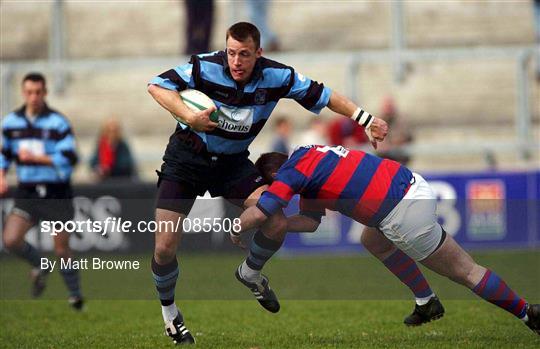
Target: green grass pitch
<point>327,302</point>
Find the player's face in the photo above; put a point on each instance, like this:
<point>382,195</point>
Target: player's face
<point>241,56</point>
<point>34,93</point>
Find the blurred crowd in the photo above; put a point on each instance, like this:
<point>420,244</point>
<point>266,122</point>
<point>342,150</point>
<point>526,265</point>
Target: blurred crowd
<point>112,156</point>
<point>344,131</point>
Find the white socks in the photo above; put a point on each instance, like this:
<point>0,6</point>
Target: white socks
<point>169,312</point>
<point>248,274</point>
<point>424,300</point>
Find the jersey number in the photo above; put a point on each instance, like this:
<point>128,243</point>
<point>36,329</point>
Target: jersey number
<point>339,150</point>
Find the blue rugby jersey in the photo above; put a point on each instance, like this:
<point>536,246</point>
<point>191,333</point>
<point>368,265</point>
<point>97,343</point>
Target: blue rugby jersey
<point>359,185</point>
<point>243,112</point>
<point>51,133</point>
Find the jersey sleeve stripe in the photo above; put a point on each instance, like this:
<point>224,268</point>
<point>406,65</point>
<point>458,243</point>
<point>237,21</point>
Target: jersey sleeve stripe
<point>173,76</point>
<point>313,94</point>
<point>281,190</point>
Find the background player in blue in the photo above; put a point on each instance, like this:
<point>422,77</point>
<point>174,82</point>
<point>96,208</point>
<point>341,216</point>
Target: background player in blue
<point>40,141</point>
<point>203,155</point>
<point>378,193</point>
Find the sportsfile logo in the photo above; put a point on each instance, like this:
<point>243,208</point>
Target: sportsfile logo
<point>235,119</point>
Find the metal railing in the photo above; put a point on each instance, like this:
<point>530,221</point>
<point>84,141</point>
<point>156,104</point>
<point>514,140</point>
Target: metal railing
<point>522,55</point>
<point>397,55</point>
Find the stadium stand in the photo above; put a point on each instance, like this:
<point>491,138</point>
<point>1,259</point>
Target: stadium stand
<point>448,100</point>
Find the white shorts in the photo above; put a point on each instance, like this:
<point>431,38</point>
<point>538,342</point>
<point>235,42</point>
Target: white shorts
<point>412,225</point>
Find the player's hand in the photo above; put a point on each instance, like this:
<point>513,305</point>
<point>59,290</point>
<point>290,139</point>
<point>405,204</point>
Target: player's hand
<point>377,131</point>
<point>25,155</point>
<point>200,121</point>
<point>236,240</point>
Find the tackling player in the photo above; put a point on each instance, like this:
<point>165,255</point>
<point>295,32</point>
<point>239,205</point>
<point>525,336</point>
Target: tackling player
<point>378,193</point>
<point>206,156</point>
<point>40,141</point>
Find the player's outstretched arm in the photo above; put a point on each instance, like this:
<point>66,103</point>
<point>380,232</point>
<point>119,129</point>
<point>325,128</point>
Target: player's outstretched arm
<point>251,218</point>
<point>171,101</point>
<point>300,223</point>
<point>376,128</point>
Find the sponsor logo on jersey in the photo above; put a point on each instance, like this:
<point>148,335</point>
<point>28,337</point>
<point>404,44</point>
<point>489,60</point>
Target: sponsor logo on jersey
<point>231,127</point>
<point>235,119</point>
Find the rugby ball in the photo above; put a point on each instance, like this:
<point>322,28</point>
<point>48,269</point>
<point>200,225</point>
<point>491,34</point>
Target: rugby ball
<point>196,101</point>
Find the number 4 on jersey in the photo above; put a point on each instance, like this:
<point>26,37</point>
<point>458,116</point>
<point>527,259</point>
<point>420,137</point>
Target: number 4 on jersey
<point>338,150</point>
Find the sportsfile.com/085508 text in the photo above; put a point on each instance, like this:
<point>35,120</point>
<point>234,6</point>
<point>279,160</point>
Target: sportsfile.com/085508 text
<point>110,224</point>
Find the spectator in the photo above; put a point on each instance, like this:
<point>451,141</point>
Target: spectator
<point>112,157</point>
<point>200,16</point>
<point>283,130</point>
<point>392,147</point>
<point>315,134</point>
<point>346,132</point>
<point>258,13</point>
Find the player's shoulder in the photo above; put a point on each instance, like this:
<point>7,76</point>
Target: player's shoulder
<point>57,118</point>
<point>10,117</point>
<point>303,149</point>
<point>267,63</point>
<point>275,71</point>
<point>13,120</point>
<point>298,153</point>
<point>215,57</point>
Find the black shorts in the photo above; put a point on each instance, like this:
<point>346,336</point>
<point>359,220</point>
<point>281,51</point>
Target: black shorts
<point>189,170</point>
<point>50,202</point>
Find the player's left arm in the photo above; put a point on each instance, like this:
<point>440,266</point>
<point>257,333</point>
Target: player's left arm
<point>270,203</point>
<point>376,128</point>
<point>64,152</point>
<point>251,218</point>
<point>301,223</point>
<point>26,156</point>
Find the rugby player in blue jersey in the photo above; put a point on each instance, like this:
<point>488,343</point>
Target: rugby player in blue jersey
<point>383,195</point>
<point>206,156</point>
<point>40,141</point>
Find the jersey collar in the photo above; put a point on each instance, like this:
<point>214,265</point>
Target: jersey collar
<point>22,111</point>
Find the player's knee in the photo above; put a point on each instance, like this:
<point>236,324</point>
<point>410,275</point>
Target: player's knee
<point>11,243</point>
<point>62,252</point>
<point>164,253</point>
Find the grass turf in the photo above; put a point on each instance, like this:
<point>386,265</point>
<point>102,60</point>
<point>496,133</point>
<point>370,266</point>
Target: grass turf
<point>346,302</point>
<point>242,324</point>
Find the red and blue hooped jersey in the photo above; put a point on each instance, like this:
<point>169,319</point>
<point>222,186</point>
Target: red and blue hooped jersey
<point>362,186</point>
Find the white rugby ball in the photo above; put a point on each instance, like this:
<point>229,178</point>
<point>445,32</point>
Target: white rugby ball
<point>197,101</point>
